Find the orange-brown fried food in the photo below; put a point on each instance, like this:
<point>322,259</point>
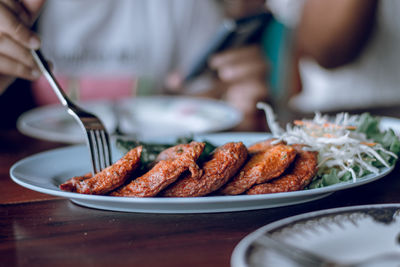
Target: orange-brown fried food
<point>224,163</point>
<point>76,179</point>
<point>174,152</point>
<point>108,179</point>
<point>261,146</point>
<point>304,169</point>
<point>164,173</point>
<point>262,167</point>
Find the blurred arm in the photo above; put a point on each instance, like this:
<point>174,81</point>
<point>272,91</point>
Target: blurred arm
<point>335,32</point>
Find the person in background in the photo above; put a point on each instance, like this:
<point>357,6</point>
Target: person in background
<point>347,50</point>
<point>113,49</point>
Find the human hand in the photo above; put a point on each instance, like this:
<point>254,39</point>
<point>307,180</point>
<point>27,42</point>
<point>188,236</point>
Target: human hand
<point>243,71</point>
<point>243,8</point>
<point>16,40</point>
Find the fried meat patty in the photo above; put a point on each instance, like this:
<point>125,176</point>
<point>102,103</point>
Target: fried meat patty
<point>224,163</point>
<point>165,172</point>
<point>262,166</point>
<point>173,152</point>
<point>261,146</point>
<point>108,179</point>
<point>304,169</point>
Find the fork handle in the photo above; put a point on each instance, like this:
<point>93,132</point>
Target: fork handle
<point>45,69</point>
<point>300,256</point>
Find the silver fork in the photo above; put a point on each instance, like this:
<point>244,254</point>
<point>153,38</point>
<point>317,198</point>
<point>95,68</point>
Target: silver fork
<point>96,134</point>
<point>307,258</point>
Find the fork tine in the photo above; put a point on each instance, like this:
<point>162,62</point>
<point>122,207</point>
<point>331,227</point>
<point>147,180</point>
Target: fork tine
<point>107,148</point>
<point>93,150</point>
<point>100,149</point>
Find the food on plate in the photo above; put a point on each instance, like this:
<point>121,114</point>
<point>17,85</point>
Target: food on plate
<point>296,178</point>
<point>178,150</point>
<point>261,146</point>
<point>152,150</point>
<point>165,172</point>
<point>72,184</point>
<point>108,179</point>
<point>349,146</point>
<point>224,163</point>
<point>262,166</point>
<point>308,154</point>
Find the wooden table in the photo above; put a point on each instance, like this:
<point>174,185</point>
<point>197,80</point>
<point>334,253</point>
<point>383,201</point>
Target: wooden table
<point>42,230</point>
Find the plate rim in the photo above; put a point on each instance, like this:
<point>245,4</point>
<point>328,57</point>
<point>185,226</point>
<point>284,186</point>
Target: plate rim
<point>237,257</point>
<point>215,200</point>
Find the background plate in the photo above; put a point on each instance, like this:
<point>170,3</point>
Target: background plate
<point>346,234</point>
<point>153,116</point>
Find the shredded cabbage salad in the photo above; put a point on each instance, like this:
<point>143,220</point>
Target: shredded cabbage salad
<point>349,146</point>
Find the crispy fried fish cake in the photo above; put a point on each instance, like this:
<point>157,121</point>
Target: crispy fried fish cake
<point>173,152</point>
<point>164,173</point>
<point>77,179</point>
<point>262,167</point>
<point>261,146</point>
<point>108,179</point>
<point>304,169</point>
<point>224,163</point>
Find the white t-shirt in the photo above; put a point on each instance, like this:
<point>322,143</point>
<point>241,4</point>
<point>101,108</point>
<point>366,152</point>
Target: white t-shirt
<point>126,38</point>
<point>370,81</point>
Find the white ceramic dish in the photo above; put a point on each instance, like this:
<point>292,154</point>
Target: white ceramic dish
<point>53,123</point>
<point>160,116</point>
<point>346,235</point>
<point>44,172</point>
<point>153,116</point>
<point>390,122</point>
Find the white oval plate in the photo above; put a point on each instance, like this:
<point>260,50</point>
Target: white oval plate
<point>44,172</point>
<point>154,116</point>
<point>346,235</point>
<point>53,123</point>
